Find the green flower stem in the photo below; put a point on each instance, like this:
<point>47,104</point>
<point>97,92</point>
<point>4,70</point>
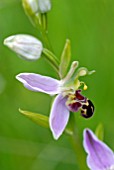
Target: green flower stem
<point>52,59</point>
<point>52,55</point>
<point>40,22</point>
<point>77,145</point>
<point>45,39</point>
<point>44,21</point>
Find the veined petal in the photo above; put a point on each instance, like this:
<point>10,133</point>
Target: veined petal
<point>26,46</point>
<point>59,116</point>
<point>100,156</point>
<point>36,82</point>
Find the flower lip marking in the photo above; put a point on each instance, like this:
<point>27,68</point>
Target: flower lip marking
<point>78,102</point>
<point>87,109</point>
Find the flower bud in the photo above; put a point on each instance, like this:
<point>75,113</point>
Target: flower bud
<point>36,6</point>
<point>44,5</point>
<point>36,11</point>
<point>26,46</point>
<point>30,6</point>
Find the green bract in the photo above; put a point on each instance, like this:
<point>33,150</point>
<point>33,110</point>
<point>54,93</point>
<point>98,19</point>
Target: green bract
<point>65,59</point>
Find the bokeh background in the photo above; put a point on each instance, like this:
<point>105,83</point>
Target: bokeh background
<point>89,24</point>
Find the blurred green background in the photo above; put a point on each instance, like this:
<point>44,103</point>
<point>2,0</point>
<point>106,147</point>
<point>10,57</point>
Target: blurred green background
<point>89,24</point>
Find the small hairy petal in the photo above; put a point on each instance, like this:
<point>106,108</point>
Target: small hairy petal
<point>74,107</point>
<point>36,82</point>
<point>59,116</point>
<point>79,96</point>
<point>100,156</point>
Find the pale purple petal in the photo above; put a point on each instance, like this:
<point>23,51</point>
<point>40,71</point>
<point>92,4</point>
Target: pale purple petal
<point>59,116</point>
<point>100,156</point>
<point>39,83</point>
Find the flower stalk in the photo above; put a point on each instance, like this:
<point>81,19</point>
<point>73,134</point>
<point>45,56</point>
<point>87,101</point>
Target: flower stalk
<point>44,21</point>
<point>52,59</point>
<point>36,10</point>
<point>76,143</point>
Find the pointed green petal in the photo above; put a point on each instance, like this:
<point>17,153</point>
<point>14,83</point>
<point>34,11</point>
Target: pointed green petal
<point>41,120</point>
<point>37,118</point>
<point>65,59</point>
<point>100,131</point>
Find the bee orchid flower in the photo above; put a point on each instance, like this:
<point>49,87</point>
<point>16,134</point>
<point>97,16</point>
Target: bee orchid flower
<point>100,156</point>
<point>68,97</point>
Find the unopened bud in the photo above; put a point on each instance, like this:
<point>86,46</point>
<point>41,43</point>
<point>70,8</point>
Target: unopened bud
<point>26,46</point>
<point>32,4</point>
<point>36,6</point>
<point>44,5</point>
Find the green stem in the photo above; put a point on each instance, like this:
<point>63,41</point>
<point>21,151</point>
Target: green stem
<point>52,59</point>
<point>41,23</point>
<point>77,145</point>
<point>44,21</point>
<point>46,40</point>
<point>52,55</point>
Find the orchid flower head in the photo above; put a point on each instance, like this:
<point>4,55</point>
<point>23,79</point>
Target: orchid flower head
<point>100,156</point>
<point>68,96</point>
